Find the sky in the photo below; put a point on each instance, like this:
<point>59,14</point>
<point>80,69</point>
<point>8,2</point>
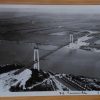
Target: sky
<point>53,8</point>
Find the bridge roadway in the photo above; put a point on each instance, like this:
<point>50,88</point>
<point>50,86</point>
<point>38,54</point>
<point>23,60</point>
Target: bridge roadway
<point>70,84</point>
<point>41,58</point>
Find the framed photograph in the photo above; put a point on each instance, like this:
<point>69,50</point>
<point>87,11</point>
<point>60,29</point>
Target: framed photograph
<point>49,50</point>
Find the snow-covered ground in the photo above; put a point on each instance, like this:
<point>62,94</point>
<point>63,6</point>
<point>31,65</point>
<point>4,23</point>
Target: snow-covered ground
<point>59,85</point>
<point>95,50</point>
<point>5,81</point>
<point>82,42</point>
<point>9,79</point>
<point>22,78</point>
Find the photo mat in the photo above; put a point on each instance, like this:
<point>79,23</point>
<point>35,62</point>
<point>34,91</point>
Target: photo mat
<point>49,50</point>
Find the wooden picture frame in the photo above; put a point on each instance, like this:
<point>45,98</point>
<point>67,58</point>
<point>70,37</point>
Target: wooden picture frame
<point>51,2</point>
<point>89,97</point>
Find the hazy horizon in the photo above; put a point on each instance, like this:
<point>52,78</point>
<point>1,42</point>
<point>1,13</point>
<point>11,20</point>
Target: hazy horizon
<point>80,9</point>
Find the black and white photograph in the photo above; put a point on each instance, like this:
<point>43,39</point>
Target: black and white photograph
<point>53,49</point>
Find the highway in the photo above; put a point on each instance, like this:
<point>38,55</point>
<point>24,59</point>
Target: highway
<point>71,84</point>
<point>67,84</point>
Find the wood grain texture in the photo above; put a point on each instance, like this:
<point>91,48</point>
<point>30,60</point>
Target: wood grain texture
<point>54,98</point>
<point>51,1</point>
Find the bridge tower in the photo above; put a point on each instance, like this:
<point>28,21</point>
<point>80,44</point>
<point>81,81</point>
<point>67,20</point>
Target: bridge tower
<point>36,58</point>
<point>71,38</point>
